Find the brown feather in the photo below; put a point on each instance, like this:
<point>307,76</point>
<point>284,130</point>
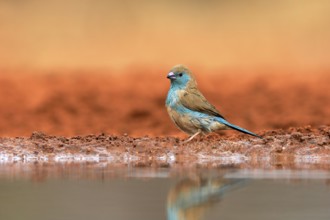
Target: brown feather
<point>193,99</point>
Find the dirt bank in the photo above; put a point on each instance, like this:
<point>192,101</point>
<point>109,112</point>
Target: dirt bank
<point>92,102</point>
<point>127,110</point>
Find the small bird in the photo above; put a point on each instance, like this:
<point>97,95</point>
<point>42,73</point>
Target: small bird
<point>189,109</point>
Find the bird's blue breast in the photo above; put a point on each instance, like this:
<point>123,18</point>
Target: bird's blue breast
<point>173,100</point>
<point>173,94</point>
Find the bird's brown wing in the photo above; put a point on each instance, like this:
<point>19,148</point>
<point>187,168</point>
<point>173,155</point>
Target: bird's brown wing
<point>193,99</point>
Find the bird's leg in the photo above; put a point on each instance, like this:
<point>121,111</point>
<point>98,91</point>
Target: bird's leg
<point>192,137</point>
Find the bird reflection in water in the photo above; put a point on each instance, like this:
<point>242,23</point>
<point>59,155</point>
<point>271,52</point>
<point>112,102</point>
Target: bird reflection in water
<point>192,197</point>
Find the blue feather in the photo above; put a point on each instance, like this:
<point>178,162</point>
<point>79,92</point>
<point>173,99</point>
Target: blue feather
<point>235,127</point>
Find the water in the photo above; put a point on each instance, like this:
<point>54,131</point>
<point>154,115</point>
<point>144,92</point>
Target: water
<point>76,191</point>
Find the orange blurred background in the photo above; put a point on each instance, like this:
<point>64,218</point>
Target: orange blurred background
<point>211,34</point>
<point>81,66</point>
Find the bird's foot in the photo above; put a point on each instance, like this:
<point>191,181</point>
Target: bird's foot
<point>193,136</point>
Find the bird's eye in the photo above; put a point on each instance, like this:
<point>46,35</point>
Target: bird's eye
<point>180,74</point>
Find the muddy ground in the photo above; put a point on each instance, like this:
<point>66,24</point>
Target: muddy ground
<point>279,148</point>
<point>121,119</point>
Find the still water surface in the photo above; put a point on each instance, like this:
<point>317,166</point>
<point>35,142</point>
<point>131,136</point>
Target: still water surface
<point>137,193</point>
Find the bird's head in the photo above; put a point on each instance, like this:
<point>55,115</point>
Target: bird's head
<point>181,76</point>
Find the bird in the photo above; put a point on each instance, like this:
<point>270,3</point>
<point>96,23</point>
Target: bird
<point>189,109</point>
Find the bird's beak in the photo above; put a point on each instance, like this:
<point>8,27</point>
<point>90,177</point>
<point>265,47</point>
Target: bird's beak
<point>171,75</point>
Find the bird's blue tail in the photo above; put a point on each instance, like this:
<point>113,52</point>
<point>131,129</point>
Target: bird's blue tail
<point>235,127</point>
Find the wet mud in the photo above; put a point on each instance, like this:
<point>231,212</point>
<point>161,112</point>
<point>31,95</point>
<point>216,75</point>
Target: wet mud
<point>278,148</point>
